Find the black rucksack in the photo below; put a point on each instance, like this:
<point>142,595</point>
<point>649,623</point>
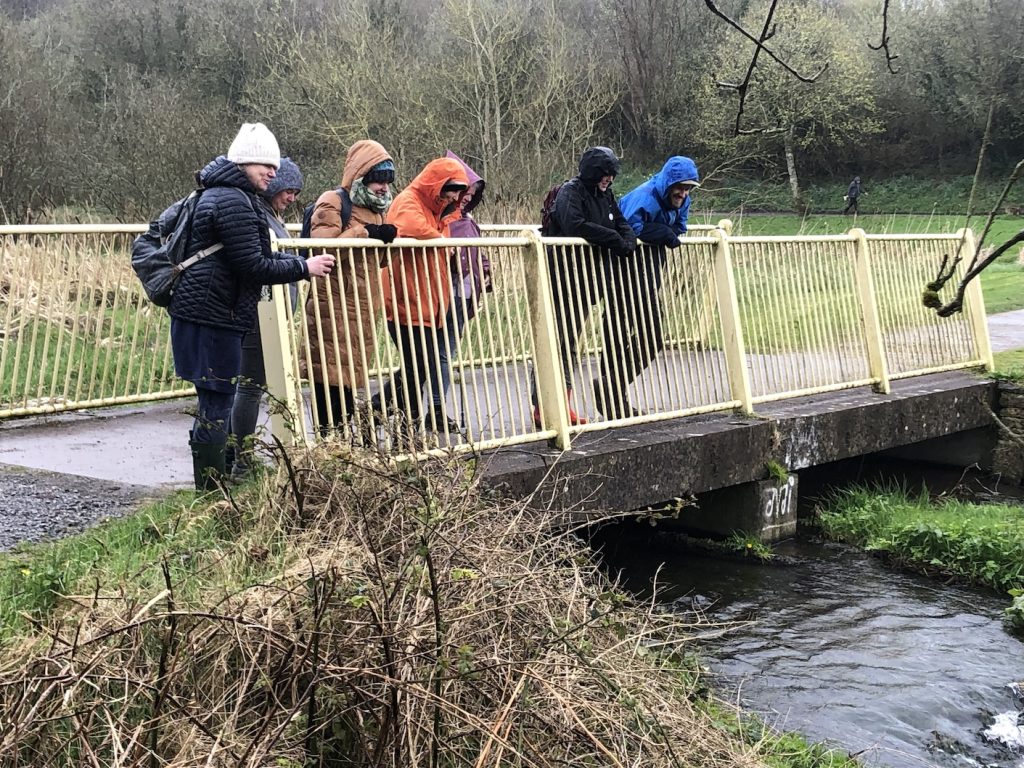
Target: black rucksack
<point>307,217</point>
<point>547,209</point>
<point>158,254</point>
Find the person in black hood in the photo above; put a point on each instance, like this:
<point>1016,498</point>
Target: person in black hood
<point>214,302</point>
<point>585,207</point>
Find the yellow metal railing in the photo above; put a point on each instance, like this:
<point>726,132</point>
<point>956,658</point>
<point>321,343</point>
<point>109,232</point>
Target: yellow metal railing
<point>561,340</point>
<point>76,330</point>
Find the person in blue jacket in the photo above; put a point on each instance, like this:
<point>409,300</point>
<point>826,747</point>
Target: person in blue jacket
<point>657,210</point>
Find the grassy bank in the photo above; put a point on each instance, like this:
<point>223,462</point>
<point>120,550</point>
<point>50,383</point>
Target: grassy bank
<point>979,544</point>
<point>344,612</point>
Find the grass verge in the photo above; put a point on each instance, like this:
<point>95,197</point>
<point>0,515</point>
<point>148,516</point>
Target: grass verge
<point>976,543</point>
<point>1009,365</point>
<point>345,612</point>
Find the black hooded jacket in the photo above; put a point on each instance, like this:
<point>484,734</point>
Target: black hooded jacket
<point>222,290</point>
<point>582,210</point>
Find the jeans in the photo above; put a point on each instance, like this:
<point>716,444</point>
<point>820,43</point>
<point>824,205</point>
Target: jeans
<point>252,382</point>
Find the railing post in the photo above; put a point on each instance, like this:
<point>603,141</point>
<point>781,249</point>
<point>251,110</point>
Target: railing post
<point>287,420</point>
<point>725,225</point>
<point>547,362</point>
<point>878,367</point>
<point>975,301</point>
<point>732,330</point>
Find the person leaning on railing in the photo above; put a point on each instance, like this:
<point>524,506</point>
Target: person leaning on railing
<point>658,211</point>
<point>349,345</point>
<point>417,284</point>
<point>214,303</point>
<point>585,207</point>
<point>282,191</point>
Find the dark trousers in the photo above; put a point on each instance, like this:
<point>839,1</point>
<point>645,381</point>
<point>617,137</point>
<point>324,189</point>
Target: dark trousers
<point>454,325</point>
<point>632,322</point>
<point>419,367</point>
<point>342,405</point>
<point>211,422</point>
<point>252,382</point>
<point>575,287</point>
<point>851,204</point>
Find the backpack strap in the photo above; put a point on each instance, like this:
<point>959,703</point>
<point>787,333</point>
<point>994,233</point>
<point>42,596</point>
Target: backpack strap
<point>346,207</point>
<point>198,256</point>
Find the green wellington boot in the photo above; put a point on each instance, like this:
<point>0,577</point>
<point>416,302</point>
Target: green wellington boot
<point>207,464</point>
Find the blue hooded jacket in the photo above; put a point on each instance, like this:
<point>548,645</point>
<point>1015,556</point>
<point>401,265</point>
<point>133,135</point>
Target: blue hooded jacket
<point>647,208</point>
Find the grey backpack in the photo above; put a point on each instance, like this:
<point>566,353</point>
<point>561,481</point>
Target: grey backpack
<point>159,253</point>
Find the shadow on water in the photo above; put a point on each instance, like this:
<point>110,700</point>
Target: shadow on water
<point>837,646</point>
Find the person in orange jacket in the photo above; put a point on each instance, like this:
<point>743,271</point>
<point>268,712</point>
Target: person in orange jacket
<point>417,285</point>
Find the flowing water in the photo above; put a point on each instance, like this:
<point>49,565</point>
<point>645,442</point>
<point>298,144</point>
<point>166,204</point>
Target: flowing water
<point>838,647</point>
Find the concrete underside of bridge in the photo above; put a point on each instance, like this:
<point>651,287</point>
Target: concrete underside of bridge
<point>944,417</point>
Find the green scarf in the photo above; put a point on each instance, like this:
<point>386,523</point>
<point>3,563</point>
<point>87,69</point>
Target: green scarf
<point>364,198</point>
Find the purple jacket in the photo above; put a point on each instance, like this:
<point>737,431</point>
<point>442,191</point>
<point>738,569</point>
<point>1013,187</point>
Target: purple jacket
<point>471,269</point>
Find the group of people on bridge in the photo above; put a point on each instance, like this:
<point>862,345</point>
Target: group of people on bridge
<point>427,294</point>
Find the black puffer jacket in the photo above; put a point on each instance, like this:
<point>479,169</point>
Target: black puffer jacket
<point>582,210</point>
<point>222,289</point>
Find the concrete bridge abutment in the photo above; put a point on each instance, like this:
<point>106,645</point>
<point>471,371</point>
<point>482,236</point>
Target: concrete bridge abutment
<point>732,466</point>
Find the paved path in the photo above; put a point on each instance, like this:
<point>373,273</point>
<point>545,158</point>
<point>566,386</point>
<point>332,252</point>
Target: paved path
<point>1006,330</point>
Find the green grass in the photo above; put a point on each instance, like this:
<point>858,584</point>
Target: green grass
<point>1002,282</point>
<point>977,543</point>
<point>903,194</point>
<point>124,554</point>
<point>1009,365</point>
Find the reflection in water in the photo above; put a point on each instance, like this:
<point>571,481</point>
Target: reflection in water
<point>843,650</point>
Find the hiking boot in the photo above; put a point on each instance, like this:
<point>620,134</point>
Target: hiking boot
<point>609,407</point>
<point>442,422</point>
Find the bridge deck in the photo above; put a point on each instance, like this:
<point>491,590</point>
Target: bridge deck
<point>633,467</point>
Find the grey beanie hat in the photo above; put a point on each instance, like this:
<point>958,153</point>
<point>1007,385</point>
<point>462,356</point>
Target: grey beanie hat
<point>288,177</point>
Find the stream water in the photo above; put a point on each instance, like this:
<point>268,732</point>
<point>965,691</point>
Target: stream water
<point>838,647</point>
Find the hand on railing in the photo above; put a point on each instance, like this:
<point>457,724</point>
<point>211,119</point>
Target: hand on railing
<point>386,233</point>
<point>320,266</point>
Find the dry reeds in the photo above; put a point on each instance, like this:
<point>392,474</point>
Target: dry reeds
<point>388,617</point>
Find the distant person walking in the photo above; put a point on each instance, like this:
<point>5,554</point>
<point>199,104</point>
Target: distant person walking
<point>853,195</point>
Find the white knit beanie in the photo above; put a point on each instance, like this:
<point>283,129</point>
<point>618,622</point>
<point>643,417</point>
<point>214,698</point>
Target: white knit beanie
<point>255,144</point>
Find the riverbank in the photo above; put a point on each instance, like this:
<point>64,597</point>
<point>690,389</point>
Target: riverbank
<point>342,607</point>
<point>946,538</point>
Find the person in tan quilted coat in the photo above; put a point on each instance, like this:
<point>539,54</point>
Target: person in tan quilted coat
<point>342,311</point>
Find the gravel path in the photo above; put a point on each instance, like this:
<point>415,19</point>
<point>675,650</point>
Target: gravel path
<point>36,505</point>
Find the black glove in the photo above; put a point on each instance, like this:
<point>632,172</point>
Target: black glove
<point>383,232</point>
<point>622,250</point>
<point>657,233</point>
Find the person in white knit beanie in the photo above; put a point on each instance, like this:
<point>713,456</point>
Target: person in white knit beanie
<point>214,301</point>
<point>255,151</point>
<point>255,144</point>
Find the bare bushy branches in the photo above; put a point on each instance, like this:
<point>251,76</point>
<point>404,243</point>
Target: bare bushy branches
<point>398,619</point>
<point>883,44</point>
<point>741,88</point>
<point>980,259</point>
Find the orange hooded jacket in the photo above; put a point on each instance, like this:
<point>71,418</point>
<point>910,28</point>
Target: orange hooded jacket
<point>417,286</point>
